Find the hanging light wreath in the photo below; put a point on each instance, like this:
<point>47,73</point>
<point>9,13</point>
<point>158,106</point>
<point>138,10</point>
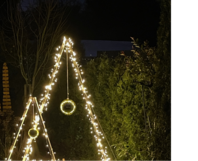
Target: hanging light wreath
<point>67,106</point>
<point>33,133</point>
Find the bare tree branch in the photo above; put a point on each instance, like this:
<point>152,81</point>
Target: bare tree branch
<point>29,37</point>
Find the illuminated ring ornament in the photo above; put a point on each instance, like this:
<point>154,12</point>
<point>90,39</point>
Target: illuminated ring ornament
<point>67,107</point>
<point>33,133</point>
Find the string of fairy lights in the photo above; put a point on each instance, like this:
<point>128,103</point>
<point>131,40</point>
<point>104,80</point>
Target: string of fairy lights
<point>32,100</point>
<point>28,149</point>
<point>44,100</point>
<point>67,46</point>
<point>20,128</point>
<point>99,136</point>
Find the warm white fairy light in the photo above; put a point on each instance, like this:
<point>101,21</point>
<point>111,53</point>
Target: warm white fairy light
<point>46,96</point>
<point>73,106</point>
<point>99,136</point>
<point>20,128</point>
<point>54,71</point>
<point>66,46</point>
<point>28,149</point>
<point>36,122</point>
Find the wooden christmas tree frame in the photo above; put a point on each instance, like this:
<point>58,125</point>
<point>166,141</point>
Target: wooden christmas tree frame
<point>67,47</point>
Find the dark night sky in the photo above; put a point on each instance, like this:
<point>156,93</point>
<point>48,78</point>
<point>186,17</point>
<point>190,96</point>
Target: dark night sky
<point>117,20</point>
<point>26,2</point>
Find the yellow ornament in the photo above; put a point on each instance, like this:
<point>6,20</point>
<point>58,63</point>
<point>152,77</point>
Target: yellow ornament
<point>67,107</point>
<point>33,133</point>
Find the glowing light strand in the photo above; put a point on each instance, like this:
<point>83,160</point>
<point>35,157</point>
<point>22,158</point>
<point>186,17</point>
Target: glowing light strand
<point>46,135</point>
<point>45,100</point>
<point>28,149</point>
<point>20,127</point>
<point>67,46</point>
<point>92,117</point>
<point>52,76</point>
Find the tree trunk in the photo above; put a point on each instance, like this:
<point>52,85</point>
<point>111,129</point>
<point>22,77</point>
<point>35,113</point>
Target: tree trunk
<point>33,84</point>
<point>27,92</point>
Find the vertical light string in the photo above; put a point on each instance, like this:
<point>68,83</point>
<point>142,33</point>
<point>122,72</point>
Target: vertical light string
<point>20,128</point>
<point>67,74</point>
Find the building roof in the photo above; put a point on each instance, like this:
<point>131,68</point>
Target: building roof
<point>93,46</point>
